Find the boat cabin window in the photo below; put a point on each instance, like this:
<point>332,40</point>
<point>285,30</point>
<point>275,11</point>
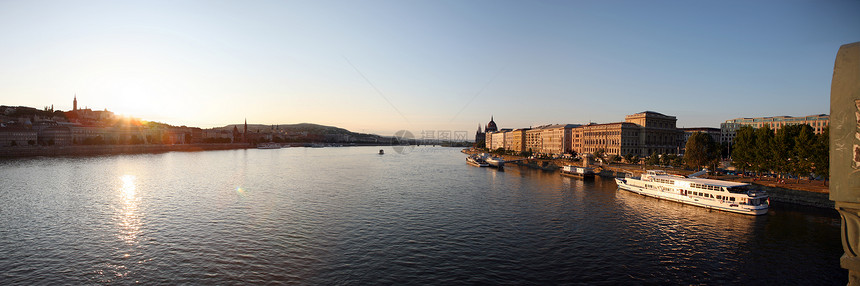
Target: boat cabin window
<point>705,187</point>
<point>739,190</point>
<point>757,202</point>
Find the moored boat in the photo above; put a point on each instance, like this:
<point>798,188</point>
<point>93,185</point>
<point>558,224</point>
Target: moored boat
<point>708,193</point>
<point>577,172</point>
<point>497,162</point>
<point>269,145</point>
<point>476,161</point>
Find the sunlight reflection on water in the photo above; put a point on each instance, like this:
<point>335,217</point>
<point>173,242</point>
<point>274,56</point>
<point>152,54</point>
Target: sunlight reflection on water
<point>129,219</point>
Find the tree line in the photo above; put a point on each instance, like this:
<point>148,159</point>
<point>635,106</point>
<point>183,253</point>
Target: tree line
<point>794,149</point>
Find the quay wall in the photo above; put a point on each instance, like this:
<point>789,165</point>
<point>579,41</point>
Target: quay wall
<point>797,197</point>
<point>92,150</point>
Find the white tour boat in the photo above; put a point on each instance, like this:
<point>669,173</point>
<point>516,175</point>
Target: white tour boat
<point>708,193</point>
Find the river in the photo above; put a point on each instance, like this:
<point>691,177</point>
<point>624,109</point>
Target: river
<point>346,215</point>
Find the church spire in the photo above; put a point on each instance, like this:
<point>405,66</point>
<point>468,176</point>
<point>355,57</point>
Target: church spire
<point>245,132</point>
<point>75,102</point>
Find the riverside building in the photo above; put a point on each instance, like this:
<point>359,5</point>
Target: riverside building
<point>640,134</point>
<point>516,140</point>
<point>729,129</point>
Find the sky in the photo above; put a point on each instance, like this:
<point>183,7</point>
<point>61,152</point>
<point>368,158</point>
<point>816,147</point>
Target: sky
<point>383,66</point>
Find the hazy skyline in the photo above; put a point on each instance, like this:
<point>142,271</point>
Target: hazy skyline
<point>382,66</point>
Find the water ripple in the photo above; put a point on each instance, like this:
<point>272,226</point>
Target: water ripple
<point>335,216</point>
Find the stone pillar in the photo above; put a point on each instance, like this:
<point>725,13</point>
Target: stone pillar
<point>845,153</point>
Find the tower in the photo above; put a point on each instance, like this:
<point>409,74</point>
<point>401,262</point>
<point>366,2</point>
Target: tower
<point>75,103</point>
<point>480,137</point>
<point>245,131</point>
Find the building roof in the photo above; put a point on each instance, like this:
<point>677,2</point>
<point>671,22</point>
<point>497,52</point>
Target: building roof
<point>612,123</point>
<point>706,129</point>
<point>648,112</point>
<point>814,117</point>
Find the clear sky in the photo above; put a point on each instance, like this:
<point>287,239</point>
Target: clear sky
<point>382,66</point>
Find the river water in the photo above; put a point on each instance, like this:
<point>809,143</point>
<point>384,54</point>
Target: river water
<point>331,216</point>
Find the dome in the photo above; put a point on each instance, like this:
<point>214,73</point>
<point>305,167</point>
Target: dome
<point>491,127</point>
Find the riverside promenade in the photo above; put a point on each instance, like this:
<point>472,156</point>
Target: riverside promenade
<point>792,191</point>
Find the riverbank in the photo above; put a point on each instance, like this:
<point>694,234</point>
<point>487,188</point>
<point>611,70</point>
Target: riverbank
<point>93,150</point>
<point>798,192</point>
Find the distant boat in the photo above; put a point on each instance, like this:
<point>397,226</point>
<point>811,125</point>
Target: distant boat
<point>497,162</point>
<point>269,145</point>
<point>577,172</point>
<point>381,152</point>
<point>476,161</point>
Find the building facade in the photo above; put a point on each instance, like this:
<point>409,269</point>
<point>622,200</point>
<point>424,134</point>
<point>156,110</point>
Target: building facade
<point>497,140</point>
<point>641,134</point>
<point>17,136</point>
<point>555,139</point>
<point>658,133</point>
<point>729,129</point>
<point>516,140</point>
<point>619,138</point>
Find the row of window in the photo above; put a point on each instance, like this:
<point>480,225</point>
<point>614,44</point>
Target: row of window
<point>718,197</point>
<point>704,187</point>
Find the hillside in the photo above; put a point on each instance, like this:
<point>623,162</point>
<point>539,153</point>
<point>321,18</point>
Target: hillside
<point>310,128</point>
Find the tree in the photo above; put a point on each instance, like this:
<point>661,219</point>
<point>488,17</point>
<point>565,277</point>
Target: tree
<point>666,159</point>
<point>677,161</point>
<point>784,149</point>
<point>764,149</point>
<point>526,153</point>
<point>744,148</point>
<point>702,150</point>
<point>615,158</point>
<point>654,159</point>
<point>628,158</point>
<point>821,154</point>
<point>599,153</point>
<point>724,150</point>
<point>804,151</point>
